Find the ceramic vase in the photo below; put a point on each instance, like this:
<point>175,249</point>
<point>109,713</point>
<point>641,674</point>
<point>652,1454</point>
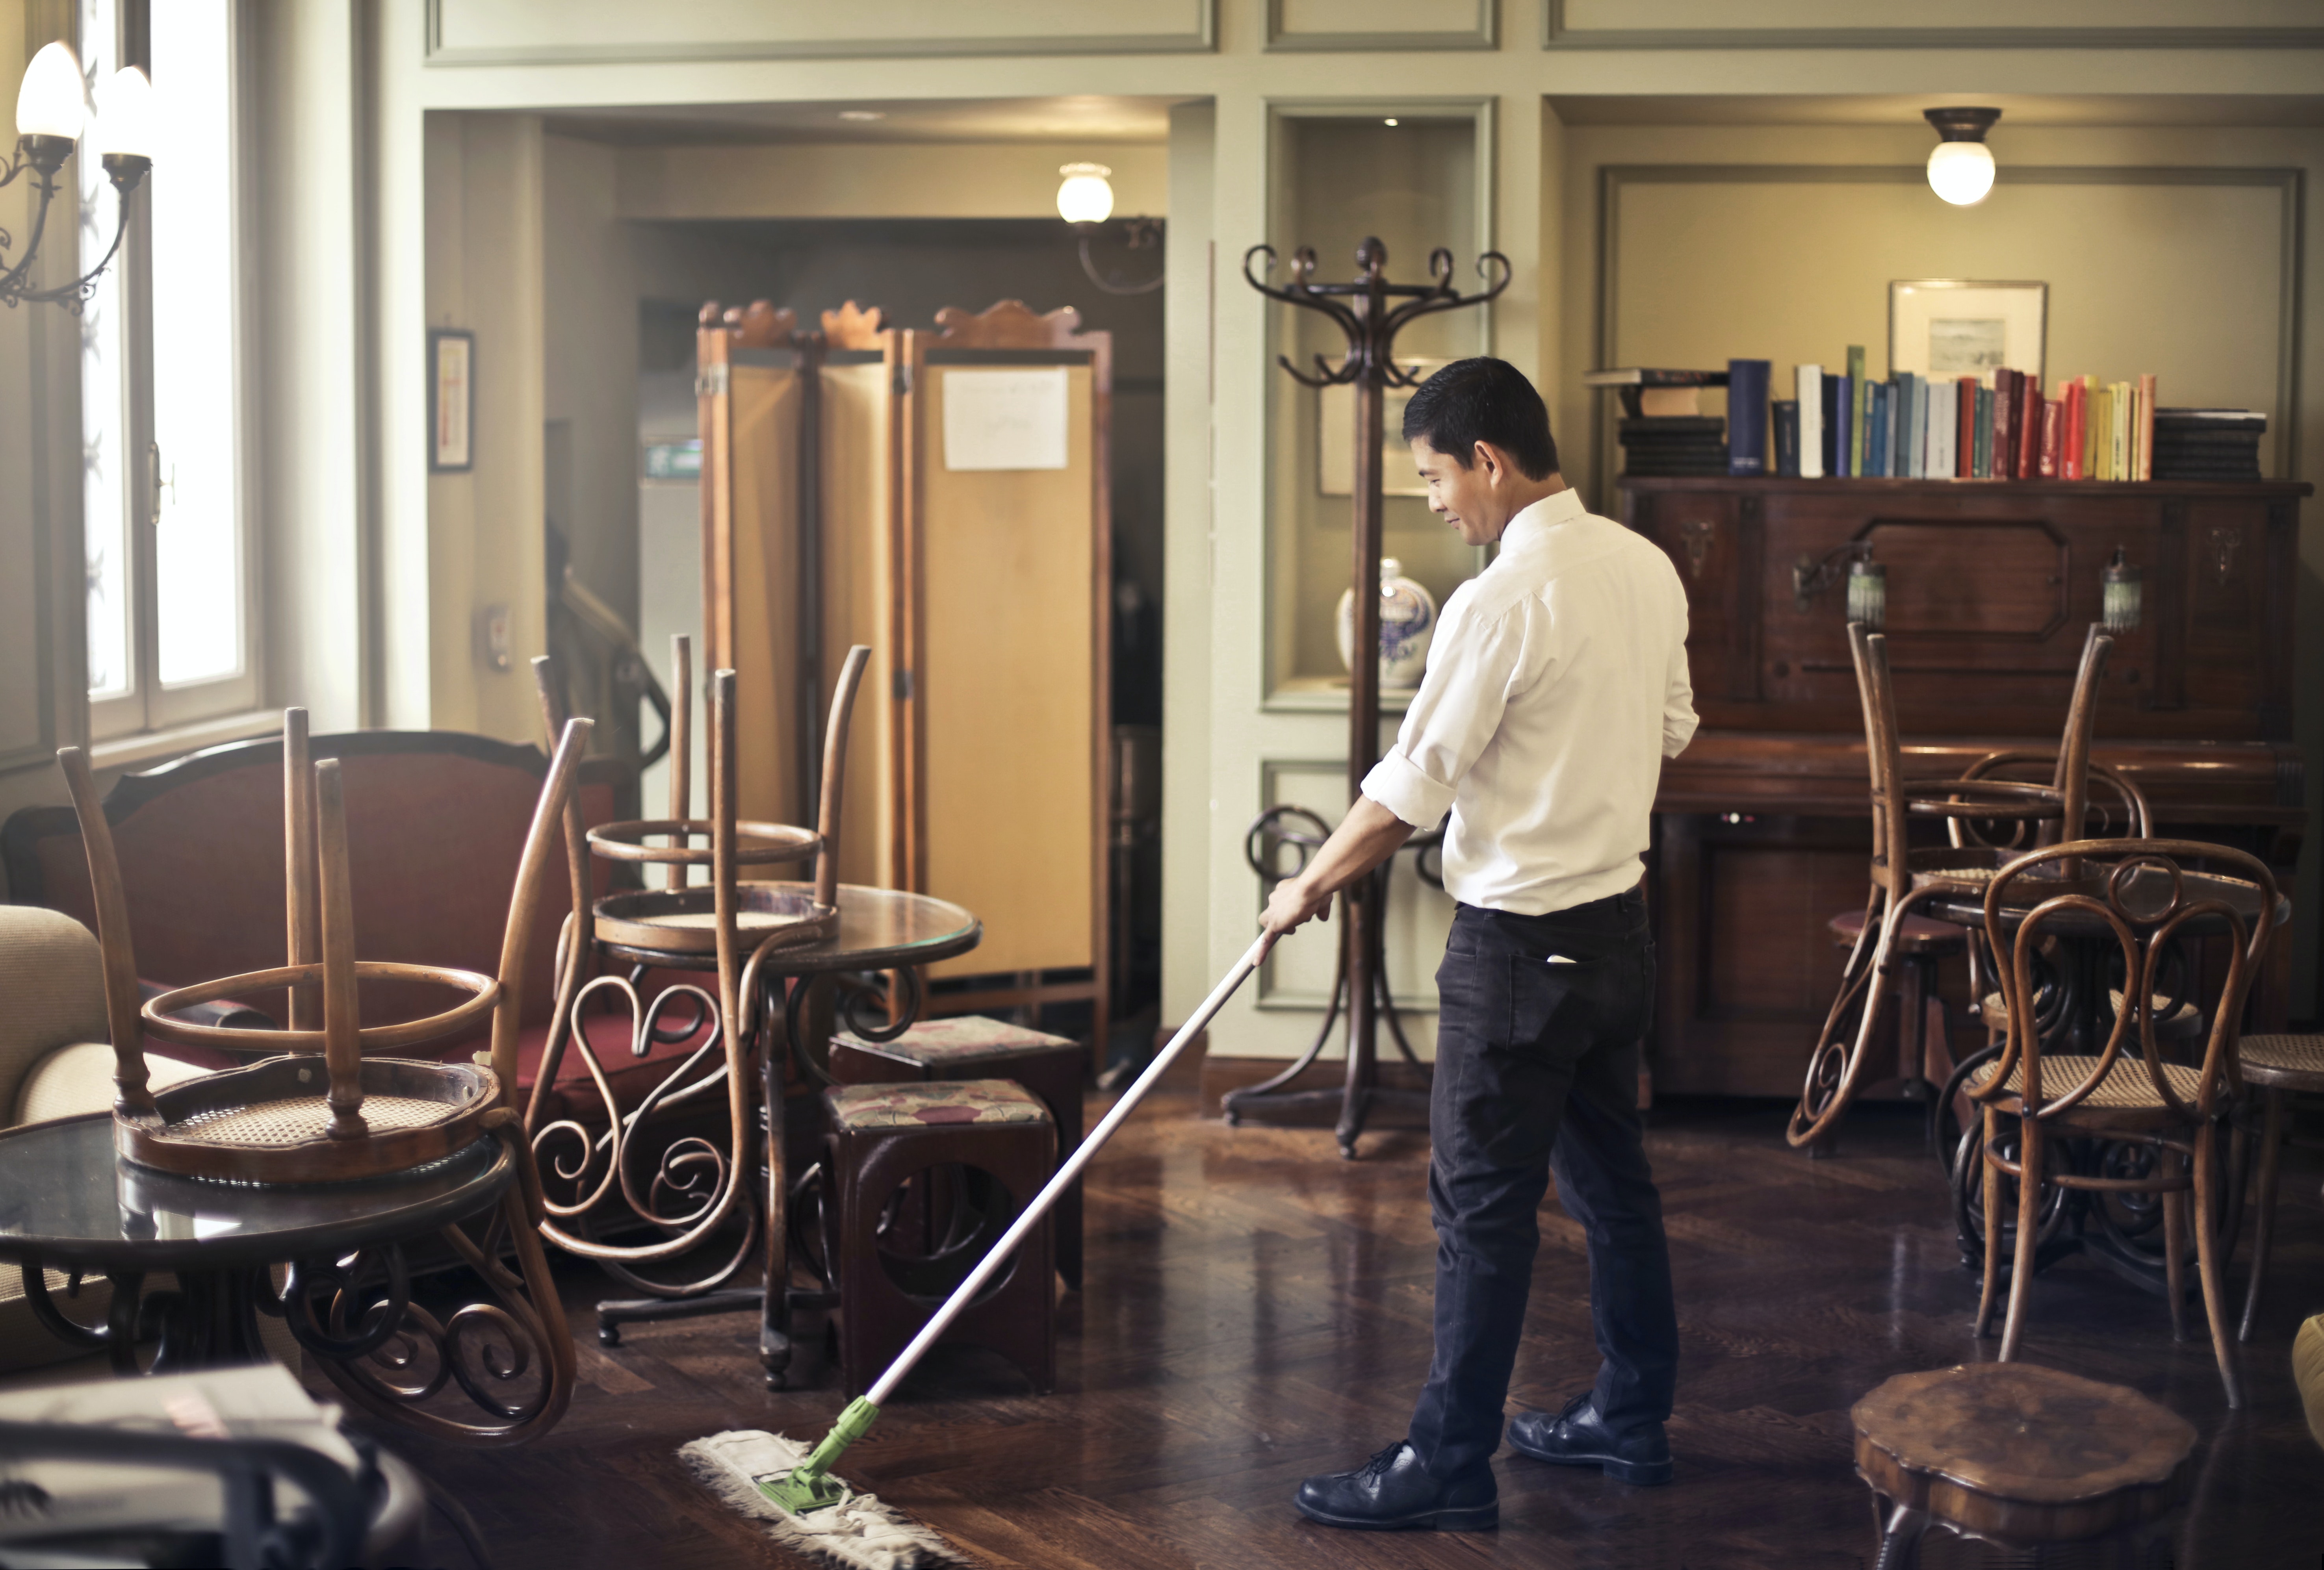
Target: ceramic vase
<point>1407,615</point>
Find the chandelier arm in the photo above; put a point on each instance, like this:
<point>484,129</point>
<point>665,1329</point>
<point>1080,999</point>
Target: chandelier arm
<point>12,282</point>
<point>79,288</point>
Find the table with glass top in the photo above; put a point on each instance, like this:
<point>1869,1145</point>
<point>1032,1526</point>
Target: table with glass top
<point>70,1203</point>
<point>880,930</point>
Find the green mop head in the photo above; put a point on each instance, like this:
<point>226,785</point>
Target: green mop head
<point>778,1480</point>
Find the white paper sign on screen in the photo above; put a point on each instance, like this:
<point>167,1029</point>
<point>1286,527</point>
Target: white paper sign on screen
<point>1005,419</point>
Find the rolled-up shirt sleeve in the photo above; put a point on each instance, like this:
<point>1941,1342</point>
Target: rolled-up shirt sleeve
<point>1459,706</point>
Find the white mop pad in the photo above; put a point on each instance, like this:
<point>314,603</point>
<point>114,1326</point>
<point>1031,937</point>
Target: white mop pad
<point>858,1533</point>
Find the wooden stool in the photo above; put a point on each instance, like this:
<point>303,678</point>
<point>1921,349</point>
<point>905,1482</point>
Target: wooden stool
<point>1925,1050</point>
<point>972,1047</point>
<point>885,1135</point>
<point>2279,1066</point>
<point>2021,1456</point>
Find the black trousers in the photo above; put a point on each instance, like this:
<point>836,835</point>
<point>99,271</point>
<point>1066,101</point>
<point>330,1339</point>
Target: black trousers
<point>1537,1042</point>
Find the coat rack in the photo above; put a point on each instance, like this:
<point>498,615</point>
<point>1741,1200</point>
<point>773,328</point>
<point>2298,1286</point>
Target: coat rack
<point>1365,313</point>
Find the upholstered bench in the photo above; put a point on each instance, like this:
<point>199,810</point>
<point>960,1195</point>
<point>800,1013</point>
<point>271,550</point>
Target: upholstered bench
<point>972,1047</point>
<point>924,1178</point>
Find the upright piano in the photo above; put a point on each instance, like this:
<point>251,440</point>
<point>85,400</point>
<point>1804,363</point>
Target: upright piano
<point>1762,828</point>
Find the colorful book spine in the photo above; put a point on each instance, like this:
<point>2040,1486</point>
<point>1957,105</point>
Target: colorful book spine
<point>1786,414</point>
<point>1807,386</point>
<point>1876,430</point>
<point>1747,416</point>
<point>2090,428</point>
<point>1839,442</point>
<point>2124,419</point>
<point>2029,426</point>
<point>1964,427</point>
<point>1901,428</point>
<point>1981,432</point>
<point>1856,389</point>
<point>2145,428</point>
<point>2004,423</point>
<point>2053,421</point>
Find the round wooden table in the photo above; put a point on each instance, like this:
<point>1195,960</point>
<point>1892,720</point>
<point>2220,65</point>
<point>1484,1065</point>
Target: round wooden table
<point>880,929</point>
<point>69,1203</point>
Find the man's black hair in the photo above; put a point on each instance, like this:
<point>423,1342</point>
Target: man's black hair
<point>1483,401</point>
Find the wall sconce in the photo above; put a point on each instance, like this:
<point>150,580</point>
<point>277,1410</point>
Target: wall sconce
<point>1085,200</point>
<point>52,113</point>
<point>1867,582</point>
<point>2119,594</point>
<point>1960,165</point>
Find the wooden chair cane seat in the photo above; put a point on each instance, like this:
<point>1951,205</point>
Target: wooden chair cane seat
<point>264,1122</point>
<point>684,921</point>
<point>2126,1089</point>
<point>2282,1063</point>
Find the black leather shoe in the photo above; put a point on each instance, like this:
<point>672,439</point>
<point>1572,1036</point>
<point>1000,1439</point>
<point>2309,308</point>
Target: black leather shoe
<point>1391,1491</point>
<point>1578,1437</point>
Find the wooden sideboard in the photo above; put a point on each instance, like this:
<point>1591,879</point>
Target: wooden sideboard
<point>1761,833</point>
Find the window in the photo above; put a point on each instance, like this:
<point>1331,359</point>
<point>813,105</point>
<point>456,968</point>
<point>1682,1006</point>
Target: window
<point>171,639</point>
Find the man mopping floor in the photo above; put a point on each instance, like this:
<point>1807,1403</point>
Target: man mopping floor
<point>1556,685</point>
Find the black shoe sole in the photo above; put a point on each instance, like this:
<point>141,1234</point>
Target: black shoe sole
<point>1638,1474</point>
<point>1473,1519</point>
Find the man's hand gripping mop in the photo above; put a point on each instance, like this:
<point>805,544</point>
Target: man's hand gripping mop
<point>767,1475</point>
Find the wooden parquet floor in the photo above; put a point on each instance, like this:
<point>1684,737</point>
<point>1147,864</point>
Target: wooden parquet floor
<point>1258,1310</point>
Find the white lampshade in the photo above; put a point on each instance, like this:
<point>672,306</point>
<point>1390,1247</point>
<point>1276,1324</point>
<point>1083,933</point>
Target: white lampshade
<point>125,115</point>
<point>50,102</point>
<point>1086,197</point>
<point>1961,172</point>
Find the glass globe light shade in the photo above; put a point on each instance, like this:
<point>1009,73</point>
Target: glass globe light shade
<point>1961,172</point>
<point>1086,197</point>
<point>50,102</point>
<point>125,115</point>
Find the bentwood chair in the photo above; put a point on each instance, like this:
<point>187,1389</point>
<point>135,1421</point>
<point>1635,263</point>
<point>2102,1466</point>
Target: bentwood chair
<point>385,1111</point>
<point>1892,934</point>
<point>647,1166</point>
<point>2280,1067</point>
<point>2135,898</point>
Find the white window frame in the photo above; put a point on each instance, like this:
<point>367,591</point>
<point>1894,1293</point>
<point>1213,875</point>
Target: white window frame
<point>149,708</point>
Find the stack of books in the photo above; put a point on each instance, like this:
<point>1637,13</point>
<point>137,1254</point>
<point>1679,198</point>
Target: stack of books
<point>2207,443</point>
<point>1663,431</point>
<point>1674,444</point>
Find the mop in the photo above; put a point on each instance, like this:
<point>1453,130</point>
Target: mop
<point>790,1487</point>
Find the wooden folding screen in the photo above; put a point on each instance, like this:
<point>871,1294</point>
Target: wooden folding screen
<point>985,595</point>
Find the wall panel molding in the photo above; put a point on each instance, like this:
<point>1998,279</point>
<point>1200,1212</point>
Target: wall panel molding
<point>2288,183</point>
<point>1479,28</point>
<point>1196,31</point>
<point>1558,33</point>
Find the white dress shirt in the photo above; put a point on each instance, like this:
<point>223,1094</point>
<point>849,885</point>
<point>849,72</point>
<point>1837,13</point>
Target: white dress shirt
<point>1557,685</point>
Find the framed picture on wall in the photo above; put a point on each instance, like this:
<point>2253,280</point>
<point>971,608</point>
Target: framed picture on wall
<point>1945,328</point>
<point>1335,444</point>
<point>451,400</point>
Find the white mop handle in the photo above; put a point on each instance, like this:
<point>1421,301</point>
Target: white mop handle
<point>1001,1251</point>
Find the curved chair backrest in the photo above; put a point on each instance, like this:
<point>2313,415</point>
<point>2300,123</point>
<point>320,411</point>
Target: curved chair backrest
<point>318,879</point>
<point>1885,754</point>
<point>2137,893</point>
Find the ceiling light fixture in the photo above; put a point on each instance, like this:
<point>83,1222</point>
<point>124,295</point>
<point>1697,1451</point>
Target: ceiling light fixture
<point>1390,121</point>
<point>51,116</point>
<point>1085,200</point>
<point>1960,165</point>
<point>863,114</point>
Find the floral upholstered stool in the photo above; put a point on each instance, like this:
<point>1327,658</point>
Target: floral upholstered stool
<point>973,1047</point>
<point>924,1178</point>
